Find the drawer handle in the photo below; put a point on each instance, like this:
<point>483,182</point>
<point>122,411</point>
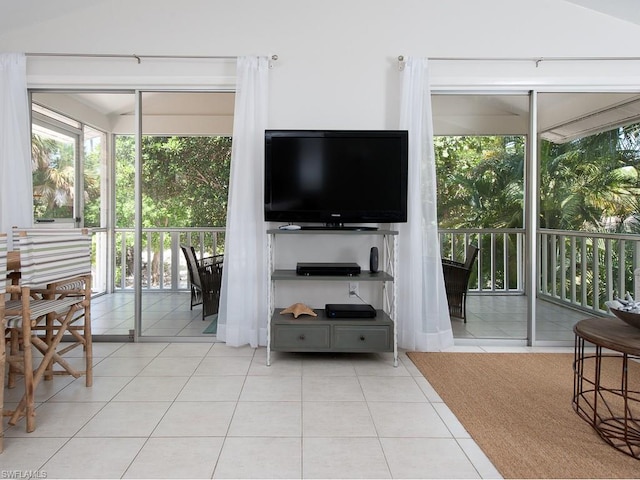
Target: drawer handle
<point>362,338</point>
<point>301,337</point>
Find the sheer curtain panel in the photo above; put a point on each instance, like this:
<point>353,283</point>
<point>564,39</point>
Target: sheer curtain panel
<point>242,317</point>
<point>422,312</point>
<point>16,186</point>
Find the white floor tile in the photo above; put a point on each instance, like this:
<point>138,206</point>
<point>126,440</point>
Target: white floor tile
<point>331,389</point>
<point>271,389</point>
<point>391,389</point>
<point>427,458</point>
<point>142,389</point>
<point>219,365</point>
<point>408,420</point>
<point>29,453</point>
<point>337,419</point>
<point>267,419</point>
<point>196,419</point>
<point>121,366</point>
<point>344,458</point>
<point>225,388</point>
<point>93,458</point>
<point>125,419</point>
<point>171,366</point>
<point>262,457</point>
<point>103,390</point>
<point>58,419</point>
<point>180,457</point>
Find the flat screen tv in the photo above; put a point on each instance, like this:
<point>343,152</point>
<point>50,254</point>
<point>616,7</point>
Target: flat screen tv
<point>336,177</point>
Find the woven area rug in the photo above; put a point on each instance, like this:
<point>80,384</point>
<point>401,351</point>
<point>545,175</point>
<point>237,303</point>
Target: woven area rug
<point>517,407</point>
<point>213,326</point>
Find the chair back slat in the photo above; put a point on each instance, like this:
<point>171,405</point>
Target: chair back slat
<point>52,258</point>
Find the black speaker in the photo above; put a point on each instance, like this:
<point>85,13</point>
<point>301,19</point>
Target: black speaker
<point>373,260</point>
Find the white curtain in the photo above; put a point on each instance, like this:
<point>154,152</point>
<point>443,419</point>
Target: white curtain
<point>422,310</point>
<point>16,185</point>
<point>242,317</point>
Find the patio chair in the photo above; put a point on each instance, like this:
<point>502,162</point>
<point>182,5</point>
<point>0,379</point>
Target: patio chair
<point>456,282</point>
<point>54,291</point>
<point>205,280</point>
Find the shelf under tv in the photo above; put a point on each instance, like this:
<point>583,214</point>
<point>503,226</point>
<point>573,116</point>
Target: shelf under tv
<point>356,228</point>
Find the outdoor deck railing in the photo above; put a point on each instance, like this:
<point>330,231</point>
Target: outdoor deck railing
<point>163,264</point>
<point>585,269</point>
<point>579,269</point>
<point>500,264</point>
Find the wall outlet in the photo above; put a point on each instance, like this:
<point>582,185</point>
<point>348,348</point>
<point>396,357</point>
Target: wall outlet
<point>354,291</point>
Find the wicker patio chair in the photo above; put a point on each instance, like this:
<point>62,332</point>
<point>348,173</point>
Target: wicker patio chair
<point>205,280</point>
<point>456,282</point>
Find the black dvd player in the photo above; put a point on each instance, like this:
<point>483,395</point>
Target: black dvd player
<point>349,310</point>
<point>321,268</point>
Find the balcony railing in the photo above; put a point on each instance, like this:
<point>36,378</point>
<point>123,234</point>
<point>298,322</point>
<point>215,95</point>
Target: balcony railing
<point>500,265</point>
<point>586,269</point>
<point>163,265</point>
<point>578,269</point>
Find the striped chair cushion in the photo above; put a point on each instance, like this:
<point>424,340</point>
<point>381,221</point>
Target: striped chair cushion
<point>37,309</point>
<point>52,258</point>
<point>16,232</point>
<point>3,264</point>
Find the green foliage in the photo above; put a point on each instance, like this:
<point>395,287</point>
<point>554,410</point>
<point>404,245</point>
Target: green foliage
<point>592,183</point>
<point>185,181</point>
<point>589,184</point>
<point>53,177</point>
<point>480,181</point>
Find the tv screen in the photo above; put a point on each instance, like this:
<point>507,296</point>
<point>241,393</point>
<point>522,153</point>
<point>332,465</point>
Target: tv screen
<point>336,176</point>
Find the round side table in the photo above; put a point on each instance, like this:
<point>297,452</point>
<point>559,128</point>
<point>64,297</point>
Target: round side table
<point>602,393</point>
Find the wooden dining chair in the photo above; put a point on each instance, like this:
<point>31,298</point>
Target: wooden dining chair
<point>54,304</point>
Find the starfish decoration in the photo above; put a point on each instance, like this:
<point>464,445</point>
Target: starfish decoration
<point>299,309</point>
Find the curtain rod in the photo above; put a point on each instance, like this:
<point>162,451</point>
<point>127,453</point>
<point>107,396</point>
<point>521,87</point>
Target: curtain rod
<point>138,58</point>
<point>537,60</point>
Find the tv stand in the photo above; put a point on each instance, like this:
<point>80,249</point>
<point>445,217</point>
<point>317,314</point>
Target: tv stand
<point>327,334</point>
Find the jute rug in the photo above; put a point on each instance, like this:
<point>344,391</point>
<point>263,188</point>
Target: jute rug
<point>517,407</point>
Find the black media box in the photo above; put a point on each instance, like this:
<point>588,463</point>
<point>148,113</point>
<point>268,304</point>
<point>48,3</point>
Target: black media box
<point>347,269</point>
<point>349,310</point>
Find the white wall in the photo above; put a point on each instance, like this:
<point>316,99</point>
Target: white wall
<point>337,62</point>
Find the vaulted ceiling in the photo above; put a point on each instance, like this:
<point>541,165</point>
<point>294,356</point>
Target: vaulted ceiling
<point>565,116</point>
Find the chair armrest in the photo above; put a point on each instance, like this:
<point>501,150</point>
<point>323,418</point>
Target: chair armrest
<point>455,267</point>
<point>73,286</point>
<point>212,260</point>
<point>448,261</point>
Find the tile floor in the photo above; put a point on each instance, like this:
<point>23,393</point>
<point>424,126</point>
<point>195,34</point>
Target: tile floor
<point>205,410</point>
<point>500,317</point>
<point>202,410</point>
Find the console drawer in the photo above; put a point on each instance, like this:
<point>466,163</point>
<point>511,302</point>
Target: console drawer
<point>370,338</point>
<point>300,337</point>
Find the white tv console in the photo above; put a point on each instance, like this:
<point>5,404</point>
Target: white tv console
<point>321,334</point>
